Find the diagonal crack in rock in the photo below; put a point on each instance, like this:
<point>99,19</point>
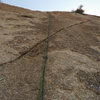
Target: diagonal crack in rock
<point>30,49</point>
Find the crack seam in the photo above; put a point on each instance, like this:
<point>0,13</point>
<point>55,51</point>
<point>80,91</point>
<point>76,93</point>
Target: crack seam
<point>30,49</point>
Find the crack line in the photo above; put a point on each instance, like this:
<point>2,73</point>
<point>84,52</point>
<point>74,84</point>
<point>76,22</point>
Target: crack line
<point>30,49</point>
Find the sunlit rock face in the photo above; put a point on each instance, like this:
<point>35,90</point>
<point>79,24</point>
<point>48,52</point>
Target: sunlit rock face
<point>73,66</point>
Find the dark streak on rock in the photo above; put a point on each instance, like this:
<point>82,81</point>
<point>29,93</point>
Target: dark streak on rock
<point>91,80</point>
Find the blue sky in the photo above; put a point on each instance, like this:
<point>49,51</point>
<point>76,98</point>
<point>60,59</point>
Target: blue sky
<point>90,6</point>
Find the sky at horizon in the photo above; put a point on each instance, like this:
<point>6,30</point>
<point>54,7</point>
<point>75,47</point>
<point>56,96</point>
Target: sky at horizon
<point>90,6</point>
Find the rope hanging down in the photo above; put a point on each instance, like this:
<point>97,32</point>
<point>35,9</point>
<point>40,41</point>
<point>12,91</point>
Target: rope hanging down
<point>41,91</point>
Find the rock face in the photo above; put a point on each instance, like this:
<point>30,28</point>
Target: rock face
<point>73,67</point>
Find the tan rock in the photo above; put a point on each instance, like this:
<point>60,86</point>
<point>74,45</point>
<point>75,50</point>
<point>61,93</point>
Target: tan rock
<point>73,66</point>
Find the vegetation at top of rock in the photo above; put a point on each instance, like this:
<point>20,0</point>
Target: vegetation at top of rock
<point>79,10</point>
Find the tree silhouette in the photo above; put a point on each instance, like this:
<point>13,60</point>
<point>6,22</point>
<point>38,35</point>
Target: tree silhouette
<point>79,10</point>
<point>81,6</point>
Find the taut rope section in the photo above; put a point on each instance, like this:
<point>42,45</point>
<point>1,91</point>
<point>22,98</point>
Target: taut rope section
<point>45,57</point>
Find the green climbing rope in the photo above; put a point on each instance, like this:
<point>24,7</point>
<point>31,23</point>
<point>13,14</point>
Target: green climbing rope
<point>41,91</point>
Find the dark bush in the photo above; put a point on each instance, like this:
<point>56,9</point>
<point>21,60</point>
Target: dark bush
<point>79,10</point>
